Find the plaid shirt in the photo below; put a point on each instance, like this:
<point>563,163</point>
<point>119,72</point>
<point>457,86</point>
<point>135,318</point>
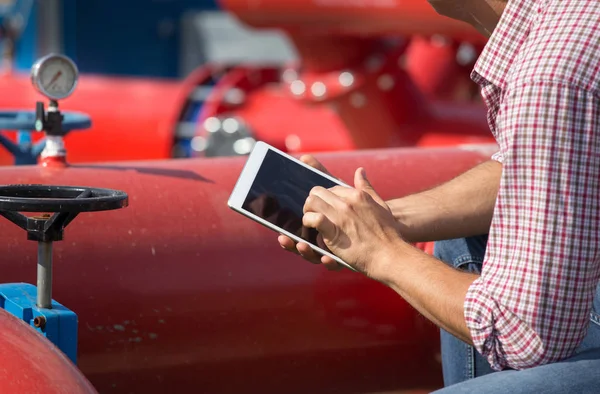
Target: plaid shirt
<point>540,79</point>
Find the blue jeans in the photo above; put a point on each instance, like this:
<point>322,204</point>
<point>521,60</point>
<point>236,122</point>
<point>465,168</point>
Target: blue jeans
<point>466,371</point>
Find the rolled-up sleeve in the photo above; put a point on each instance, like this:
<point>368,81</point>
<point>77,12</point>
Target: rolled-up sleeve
<point>531,304</point>
<point>498,157</point>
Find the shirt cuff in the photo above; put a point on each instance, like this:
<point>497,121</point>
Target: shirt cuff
<point>498,334</point>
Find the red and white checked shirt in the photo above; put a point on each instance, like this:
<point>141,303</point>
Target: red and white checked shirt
<point>540,79</point>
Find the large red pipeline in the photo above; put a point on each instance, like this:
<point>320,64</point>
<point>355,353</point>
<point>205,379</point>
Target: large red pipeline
<point>178,292</point>
<point>31,364</point>
<point>132,118</point>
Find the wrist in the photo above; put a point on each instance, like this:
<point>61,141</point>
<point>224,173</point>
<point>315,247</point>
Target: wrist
<point>388,260</point>
<point>415,217</point>
<point>401,212</point>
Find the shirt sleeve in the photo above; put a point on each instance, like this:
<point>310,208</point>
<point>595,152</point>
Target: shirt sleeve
<point>531,304</point>
<point>498,156</point>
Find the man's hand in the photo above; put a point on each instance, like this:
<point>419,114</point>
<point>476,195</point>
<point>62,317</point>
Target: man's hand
<point>434,214</point>
<point>302,248</point>
<point>356,224</point>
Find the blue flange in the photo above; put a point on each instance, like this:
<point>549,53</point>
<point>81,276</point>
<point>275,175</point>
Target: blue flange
<point>25,120</point>
<point>24,151</point>
<point>58,324</point>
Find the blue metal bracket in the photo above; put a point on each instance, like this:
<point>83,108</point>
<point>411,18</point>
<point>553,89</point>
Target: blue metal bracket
<point>58,324</point>
<point>24,151</point>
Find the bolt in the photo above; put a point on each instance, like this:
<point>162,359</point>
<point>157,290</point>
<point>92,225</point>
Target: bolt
<point>385,82</point>
<point>212,124</point>
<point>39,322</point>
<point>234,96</point>
<point>439,40</point>
<point>374,63</point>
<point>298,87</point>
<point>318,89</point>
<point>466,54</point>
<point>230,125</point>
<point>346,79</point>
<point>289,75</point>
<point>358,100</point>
<point>199,144</point>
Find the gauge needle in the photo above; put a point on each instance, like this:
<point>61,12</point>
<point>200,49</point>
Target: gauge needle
<point>55,78</point>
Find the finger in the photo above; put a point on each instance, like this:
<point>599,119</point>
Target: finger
<point>362,183</point>
<point>315,203</point>
<point>344,192</point>
<point>311,161</point>
<point>331,264</point>
<point>320,222</point>
<point>308,253</point>
<point>333,201</point>
<point>287,243</point>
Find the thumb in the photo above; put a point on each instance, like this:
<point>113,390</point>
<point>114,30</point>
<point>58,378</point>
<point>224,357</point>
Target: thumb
<point>362,183</point>
<point>360,180</point>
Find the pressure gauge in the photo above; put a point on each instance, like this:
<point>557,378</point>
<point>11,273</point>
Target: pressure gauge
<point>55,76</point>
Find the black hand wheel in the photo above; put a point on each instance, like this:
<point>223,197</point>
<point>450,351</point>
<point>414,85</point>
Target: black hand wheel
<point>44,198</point>
<point>65,202</point>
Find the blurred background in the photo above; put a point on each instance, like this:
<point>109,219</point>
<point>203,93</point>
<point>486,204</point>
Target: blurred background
<point>167,79</point>
<point>135,38</point>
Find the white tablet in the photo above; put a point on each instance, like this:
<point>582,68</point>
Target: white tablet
<point>272,189</point>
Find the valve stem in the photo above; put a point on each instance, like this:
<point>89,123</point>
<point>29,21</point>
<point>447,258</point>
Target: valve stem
<point>44,275</point>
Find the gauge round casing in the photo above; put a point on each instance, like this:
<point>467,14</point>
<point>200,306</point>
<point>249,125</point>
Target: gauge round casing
<point>68,72</point>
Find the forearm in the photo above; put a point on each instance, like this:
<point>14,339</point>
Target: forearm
<point>433,288</point>
<point>459,208</point>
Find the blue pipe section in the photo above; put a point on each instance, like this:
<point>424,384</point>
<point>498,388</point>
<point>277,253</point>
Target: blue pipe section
<point>24,151</point>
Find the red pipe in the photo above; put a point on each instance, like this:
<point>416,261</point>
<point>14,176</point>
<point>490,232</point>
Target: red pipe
<point>432,64</point>
<point>132,118</point>
<point>178,291</point>
<point>362,83</point>
<point>348,67</point>
<point>32,364</point>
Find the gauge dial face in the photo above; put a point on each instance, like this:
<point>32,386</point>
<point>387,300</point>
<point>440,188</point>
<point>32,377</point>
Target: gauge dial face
<point>55,76</point>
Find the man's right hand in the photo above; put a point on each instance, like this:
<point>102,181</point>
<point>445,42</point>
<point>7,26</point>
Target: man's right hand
<point>302,248</point>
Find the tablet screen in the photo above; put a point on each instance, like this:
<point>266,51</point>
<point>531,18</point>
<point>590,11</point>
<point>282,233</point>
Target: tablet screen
<point>279,192</point>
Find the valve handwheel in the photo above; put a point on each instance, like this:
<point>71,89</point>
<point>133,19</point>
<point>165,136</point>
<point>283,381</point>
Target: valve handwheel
<point>59,199</point>
<point>65,202</point>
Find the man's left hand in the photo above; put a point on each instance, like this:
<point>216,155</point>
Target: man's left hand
<point>356,224</point>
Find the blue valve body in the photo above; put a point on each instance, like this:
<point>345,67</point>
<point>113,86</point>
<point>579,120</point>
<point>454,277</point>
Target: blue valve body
<point>60,323</point>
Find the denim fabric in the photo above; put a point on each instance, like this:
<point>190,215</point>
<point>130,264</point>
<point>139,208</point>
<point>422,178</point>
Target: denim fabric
<point>577,375</point>
<point>461,363</point>
<point>459,360</point>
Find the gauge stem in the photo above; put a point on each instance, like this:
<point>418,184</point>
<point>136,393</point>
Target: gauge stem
<point>53,106</point>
